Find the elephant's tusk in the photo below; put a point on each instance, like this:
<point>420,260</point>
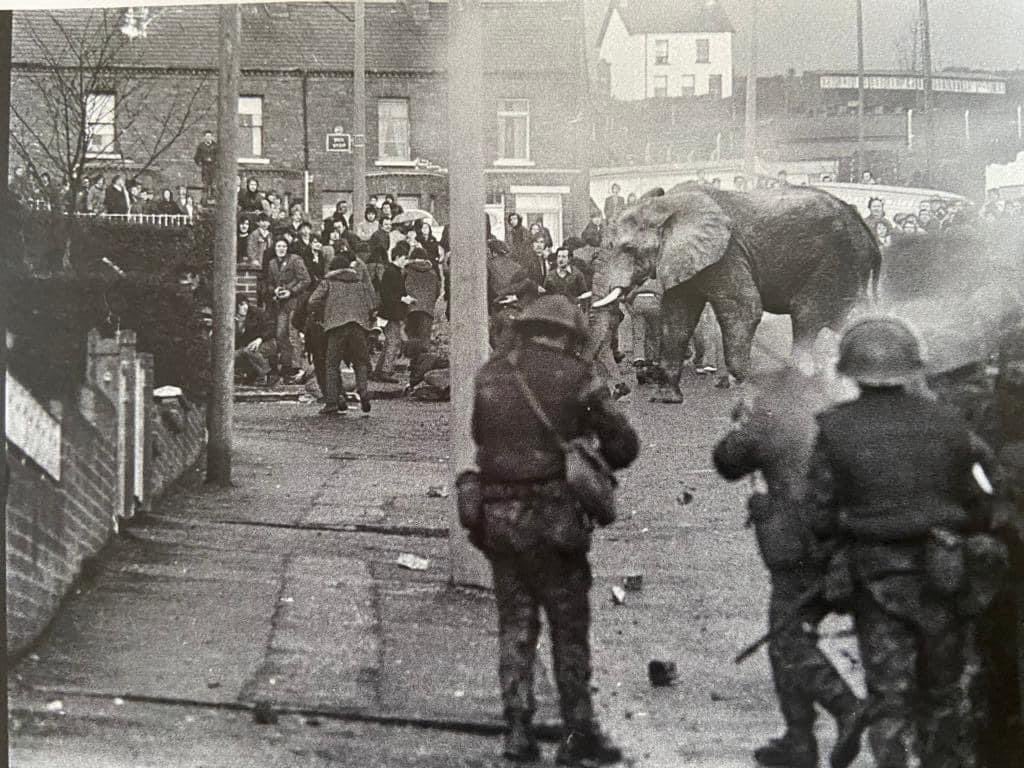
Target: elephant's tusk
<point>611,298</point>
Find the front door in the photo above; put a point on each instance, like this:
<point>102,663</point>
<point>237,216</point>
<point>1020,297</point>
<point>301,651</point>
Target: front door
<point>547,209</point>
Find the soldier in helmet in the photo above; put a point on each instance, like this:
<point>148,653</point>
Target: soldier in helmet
<point>534,531</point>
<point>774,435</point>
<point>894,476</point>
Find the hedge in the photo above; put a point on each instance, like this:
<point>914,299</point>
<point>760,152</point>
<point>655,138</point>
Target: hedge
<point>39,240</point>
<point>50,318</point>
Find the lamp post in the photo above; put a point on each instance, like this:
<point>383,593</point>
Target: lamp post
<point>750,126</point>
<point>860,90</point>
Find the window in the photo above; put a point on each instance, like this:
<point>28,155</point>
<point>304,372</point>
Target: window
<point>703,52</point>
<point>514,129</point>
<point>715,86</point>
<point>689,85</point>
<point>250,126</point>
<point>661,51</point>
<point>393,129</point>
<point>99,121</point>
<point>660,86</point>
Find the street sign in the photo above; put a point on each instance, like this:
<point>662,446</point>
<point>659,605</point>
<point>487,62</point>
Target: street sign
<point>339,142</point>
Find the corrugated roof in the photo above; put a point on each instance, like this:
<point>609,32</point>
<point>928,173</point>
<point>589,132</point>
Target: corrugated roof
<point>527,35</point>
<point>668,17</point>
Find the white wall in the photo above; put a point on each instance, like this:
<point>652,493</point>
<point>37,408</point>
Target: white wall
<point>631,60</point>
<point>625,55</point>
<point>682,61</point>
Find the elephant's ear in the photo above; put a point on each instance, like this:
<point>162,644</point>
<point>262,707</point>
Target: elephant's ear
<point>693,238</point>
<point>687,232</point>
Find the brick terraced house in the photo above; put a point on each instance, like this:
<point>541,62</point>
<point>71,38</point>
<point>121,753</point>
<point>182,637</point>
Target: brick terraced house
<point>297,87</point>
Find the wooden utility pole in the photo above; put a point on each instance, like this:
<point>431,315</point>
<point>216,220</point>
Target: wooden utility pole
<point>750,126</point>
<point>468,261</point>
<point>926,65</point>
<point>6,26</point>
<point>860,90</point>
<point>359,114</point>
<point>220,409</point>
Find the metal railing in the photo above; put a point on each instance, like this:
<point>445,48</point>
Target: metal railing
<point>158,219</point>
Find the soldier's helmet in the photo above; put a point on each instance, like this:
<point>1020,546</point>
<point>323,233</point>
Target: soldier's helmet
<point>552,312</point>
<point>880,351</point>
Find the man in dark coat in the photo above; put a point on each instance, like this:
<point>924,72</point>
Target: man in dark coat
<point>509,290</point>
<point>206,158</point>
<point>424,286</point>
<point>255,345</point>
<point>900,479</point>
<point>614,203</point>
<point>347,302</point>
<point>116,198</point>
<point>394,307</point>
<point>774,437</point>
<point>535,561</point>
<point>286,279</point>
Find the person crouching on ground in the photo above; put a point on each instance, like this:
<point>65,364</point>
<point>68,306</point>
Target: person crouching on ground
<point>346,302</point>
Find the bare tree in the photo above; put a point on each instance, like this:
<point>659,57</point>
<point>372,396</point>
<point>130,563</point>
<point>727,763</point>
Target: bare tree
<point>88,97</point>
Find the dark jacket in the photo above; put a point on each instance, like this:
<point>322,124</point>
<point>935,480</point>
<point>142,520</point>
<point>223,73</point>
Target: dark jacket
<point>506,277</point>
<point>775,436</point>
<point>613,204</point>
<point>258,325</point>
<point>380,244</point>
<point>533,265</point>
<point>392,289</point>
<point>513,446</point>
<point>166,207</point>
<point>423,284</point>
<point>206,154</point>
<point>290,274</point>
<point>344,297</point>
<point>250,202</point>
<point>891,465</point>
<point>115,200</point>
<point>570,286</point>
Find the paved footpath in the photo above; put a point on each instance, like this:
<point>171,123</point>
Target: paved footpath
<point>284,589</point>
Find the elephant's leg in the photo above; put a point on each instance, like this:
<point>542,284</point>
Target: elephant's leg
<point>738,307</point>
<point>681,309</point>
<point>824,302</point>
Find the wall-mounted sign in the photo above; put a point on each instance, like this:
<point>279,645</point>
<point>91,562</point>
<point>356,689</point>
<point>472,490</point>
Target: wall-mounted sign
<point>339,142</point>
<point>32,428</point>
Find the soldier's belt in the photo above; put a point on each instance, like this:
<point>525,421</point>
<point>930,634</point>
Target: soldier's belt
<point>523,489</point>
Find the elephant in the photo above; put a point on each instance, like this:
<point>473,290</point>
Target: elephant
<point>796,250</point>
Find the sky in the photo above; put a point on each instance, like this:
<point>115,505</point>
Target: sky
<point>821,34</point>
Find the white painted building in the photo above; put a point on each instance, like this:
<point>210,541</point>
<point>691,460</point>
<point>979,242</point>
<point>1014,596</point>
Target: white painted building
<point>667,48</point>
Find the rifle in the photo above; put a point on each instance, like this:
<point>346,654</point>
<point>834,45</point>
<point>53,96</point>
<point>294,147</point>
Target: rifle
<point>792,617</point>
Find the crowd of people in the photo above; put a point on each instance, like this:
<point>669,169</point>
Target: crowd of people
<point>337,292</point>
<point>120,195</point>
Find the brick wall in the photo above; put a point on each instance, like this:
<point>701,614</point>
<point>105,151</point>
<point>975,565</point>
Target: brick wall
<point>555,140</point>
<point>55,523</point>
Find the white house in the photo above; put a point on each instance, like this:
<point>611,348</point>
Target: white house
<point>667,48</point>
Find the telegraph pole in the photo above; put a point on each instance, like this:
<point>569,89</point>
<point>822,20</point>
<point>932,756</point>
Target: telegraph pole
<point>468,262</point>
<point>750,127</point>
<point>860,90</point>
<point>926,63</point>
<point>6,27</point>
<point>359,114</point>
<point>220,409</point>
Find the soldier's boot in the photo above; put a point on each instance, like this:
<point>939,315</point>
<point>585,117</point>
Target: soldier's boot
<point>520,741</point>
<point>850,725</point>
<point>587,747</point>
<point>792,750</point>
